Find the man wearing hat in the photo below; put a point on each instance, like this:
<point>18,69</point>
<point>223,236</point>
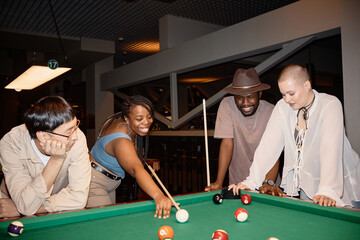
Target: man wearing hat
<point>240,123</point>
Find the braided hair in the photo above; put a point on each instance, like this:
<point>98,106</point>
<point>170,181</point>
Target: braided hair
<point>126,107</point>
<point>136,100</point>
<point>130,102</point>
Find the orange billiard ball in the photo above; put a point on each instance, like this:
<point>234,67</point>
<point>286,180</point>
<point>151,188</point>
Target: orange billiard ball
<point>165,232</point>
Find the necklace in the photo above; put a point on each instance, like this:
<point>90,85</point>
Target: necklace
<point>248,121</point>
<point>305,111</point>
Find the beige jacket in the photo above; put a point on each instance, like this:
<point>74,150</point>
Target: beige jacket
<point>24,182</point>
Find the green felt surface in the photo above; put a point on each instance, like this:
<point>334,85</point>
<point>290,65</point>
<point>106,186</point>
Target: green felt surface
<point>268,217</point>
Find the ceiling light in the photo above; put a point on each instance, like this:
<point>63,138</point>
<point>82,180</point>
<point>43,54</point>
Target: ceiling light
<point>199,80</point>
<point>143,47</point>
<point>35,76</point>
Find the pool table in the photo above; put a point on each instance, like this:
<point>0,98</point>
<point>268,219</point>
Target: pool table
<point>269,216</point>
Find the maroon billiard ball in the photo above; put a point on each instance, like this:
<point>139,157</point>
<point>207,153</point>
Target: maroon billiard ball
<point>246,199</point>
<point>220,235</point>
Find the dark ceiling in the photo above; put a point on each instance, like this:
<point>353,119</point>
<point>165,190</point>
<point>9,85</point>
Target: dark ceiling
<point>34,31</point>
<point>132,21</point>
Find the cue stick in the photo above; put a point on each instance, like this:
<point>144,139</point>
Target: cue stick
<point>163,187</point>
<point>206,145</point>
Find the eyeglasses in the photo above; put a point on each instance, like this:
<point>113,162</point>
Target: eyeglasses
<point>67,136</point>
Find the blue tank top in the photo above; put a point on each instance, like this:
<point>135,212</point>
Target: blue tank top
<point>104,159</point>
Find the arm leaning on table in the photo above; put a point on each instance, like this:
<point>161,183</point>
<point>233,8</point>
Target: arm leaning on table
<point>7,208</point>
<point>265,188</point>
<point>73,195</point>
<point>20,184</point>
<point>272,189</point>
<point>225,154</point>
<point>330,149</point>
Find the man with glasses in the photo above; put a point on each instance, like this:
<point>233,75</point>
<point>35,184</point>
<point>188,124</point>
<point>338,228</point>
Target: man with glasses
<point>45,161</point>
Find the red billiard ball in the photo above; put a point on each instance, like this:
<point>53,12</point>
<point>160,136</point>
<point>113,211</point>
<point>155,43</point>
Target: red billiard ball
<point>241,214</point>
<point>246,199</point>
<point>220,235</point>
<point>218,198</point>
<point>165,232</point>
<point>15,228</point>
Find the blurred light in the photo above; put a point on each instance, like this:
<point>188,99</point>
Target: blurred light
<point>143,47</point>
<point>198,80</point>
<point>35,76</point>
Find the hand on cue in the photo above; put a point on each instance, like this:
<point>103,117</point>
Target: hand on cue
<point>163,187</point>
<point>181,215</point>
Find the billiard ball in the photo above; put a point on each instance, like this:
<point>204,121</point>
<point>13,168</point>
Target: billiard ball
<point>218,198</point>
<point>15,228</point>
<point>241,214</point>
<point>165,232</point>
<point>246,199</point>
<point>182,215</point>
<point>272,238</point>
<point>220,235</point>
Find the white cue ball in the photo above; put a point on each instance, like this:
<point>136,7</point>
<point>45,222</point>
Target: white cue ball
<point>182,215</point>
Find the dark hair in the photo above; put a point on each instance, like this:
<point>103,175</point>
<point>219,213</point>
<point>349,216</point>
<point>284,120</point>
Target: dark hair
<point>126,106</point>
<point>47,114</point>
<point>135,101</point>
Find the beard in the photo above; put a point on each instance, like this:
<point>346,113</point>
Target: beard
<point>249,113</point>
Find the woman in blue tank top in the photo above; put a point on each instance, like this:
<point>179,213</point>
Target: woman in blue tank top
<point>114,153</point>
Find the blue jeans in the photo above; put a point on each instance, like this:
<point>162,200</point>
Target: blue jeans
<point>303,196</point>
<point>356,204</point>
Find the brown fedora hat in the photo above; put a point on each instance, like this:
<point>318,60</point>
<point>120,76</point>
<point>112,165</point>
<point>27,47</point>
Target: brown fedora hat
<point>246,81</point>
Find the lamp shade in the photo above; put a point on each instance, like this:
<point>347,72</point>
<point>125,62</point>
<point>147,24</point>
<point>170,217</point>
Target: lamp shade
<point>35,76</point>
